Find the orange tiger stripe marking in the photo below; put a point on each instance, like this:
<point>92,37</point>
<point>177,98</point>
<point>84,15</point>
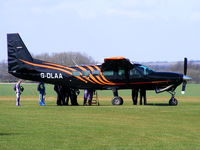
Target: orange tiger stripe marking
<point>50,67</point>
<point>91,76</point>
<point>60,66</point>
<point>103,77</point>
<point>83,69</point>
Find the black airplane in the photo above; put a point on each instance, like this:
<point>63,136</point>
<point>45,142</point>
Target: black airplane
<point>114,74</point>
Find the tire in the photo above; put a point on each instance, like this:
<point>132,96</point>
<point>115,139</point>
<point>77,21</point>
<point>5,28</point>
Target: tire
<point>117,101</point>
<point>173,102</point>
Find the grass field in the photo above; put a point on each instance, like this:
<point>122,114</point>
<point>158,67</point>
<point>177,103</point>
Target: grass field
<point>153,127</point>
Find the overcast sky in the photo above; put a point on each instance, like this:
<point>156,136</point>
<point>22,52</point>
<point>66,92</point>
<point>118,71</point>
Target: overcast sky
<point>141,30</point>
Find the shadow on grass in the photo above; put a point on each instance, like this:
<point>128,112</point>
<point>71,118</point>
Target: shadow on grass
<point>7,134</point>
<point>149,104</point>
<point>152,104</point>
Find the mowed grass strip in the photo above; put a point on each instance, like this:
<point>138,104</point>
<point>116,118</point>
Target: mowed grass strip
<point>155,126</point>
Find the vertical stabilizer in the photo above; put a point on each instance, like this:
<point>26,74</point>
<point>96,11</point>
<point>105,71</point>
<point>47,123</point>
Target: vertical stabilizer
<point>16,51</point>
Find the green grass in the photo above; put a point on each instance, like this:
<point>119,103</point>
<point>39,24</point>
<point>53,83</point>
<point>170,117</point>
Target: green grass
<point>107,127</point>
<point>99,127</point>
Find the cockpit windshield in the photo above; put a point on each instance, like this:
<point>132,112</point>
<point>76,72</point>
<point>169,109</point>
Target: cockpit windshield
<point>144,69</point>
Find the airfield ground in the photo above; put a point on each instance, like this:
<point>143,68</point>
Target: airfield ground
<point>155,126</point>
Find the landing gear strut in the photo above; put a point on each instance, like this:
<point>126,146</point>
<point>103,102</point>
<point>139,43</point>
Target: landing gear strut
<point>117,100</point>
<point>173,101</point>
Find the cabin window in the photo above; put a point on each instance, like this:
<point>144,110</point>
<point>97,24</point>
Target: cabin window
<point>121,72</point>
<point>134,73</point>
<point>96,72</point>
<point>108,73</point>
<point>75,73</point>
<point>86,73</point>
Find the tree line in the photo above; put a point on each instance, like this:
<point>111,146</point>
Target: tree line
<point>193,69</point>
<point>77,58</point>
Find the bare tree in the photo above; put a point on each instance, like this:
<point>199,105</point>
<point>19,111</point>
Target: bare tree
<point>67,58</point>
<point>4,75</point>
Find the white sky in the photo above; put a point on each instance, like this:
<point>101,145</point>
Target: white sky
<point>141,30</point>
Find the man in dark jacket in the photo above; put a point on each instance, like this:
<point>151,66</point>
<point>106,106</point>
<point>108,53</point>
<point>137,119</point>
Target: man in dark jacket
<point>143,96</point>
<point>135,95</point>
<point>73,96</point>
<point>57,88</point>
<point>65,95</point>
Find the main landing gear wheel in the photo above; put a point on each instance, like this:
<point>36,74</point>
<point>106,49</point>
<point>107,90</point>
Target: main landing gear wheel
<point>173,101</point>
<point>117,101</point>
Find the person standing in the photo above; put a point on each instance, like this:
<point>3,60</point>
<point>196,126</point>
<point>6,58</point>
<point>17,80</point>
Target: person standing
<point>85,97</point>
<point>66,95</point>
<point>135,95</point>
<point>18,90</point>
<point>73,96</point>
<point>41,89</point>
<point>143,96</point>
<point>88,95</point>
<point>59,96</point>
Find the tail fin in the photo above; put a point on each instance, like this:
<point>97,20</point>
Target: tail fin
<point>16,50</point>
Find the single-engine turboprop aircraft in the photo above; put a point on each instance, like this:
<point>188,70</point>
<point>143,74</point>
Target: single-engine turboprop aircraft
<point>114,74</point>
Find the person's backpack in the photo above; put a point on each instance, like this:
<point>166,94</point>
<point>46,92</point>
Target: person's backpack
<point>21,88</point>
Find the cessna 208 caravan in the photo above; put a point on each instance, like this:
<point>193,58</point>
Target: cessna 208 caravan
<point>114,74</point>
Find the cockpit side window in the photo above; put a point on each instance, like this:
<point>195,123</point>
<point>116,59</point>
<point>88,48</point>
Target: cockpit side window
<point>144,69</point>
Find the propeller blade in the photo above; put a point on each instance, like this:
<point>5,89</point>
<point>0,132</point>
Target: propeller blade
<point>183,87</point>
<point>185,78</point>
<point>185,66</point>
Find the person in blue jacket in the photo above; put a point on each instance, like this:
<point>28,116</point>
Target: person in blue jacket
<point>41,89</point>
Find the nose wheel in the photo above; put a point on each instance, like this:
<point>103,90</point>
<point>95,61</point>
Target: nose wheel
<point>173,101</point>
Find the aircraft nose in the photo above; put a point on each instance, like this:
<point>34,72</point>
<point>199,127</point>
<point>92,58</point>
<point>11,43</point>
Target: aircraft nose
<point>186,78</point>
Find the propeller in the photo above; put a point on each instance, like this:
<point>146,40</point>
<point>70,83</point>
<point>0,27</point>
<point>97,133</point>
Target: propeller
<point>185,77</point>
<point>185,66</point>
